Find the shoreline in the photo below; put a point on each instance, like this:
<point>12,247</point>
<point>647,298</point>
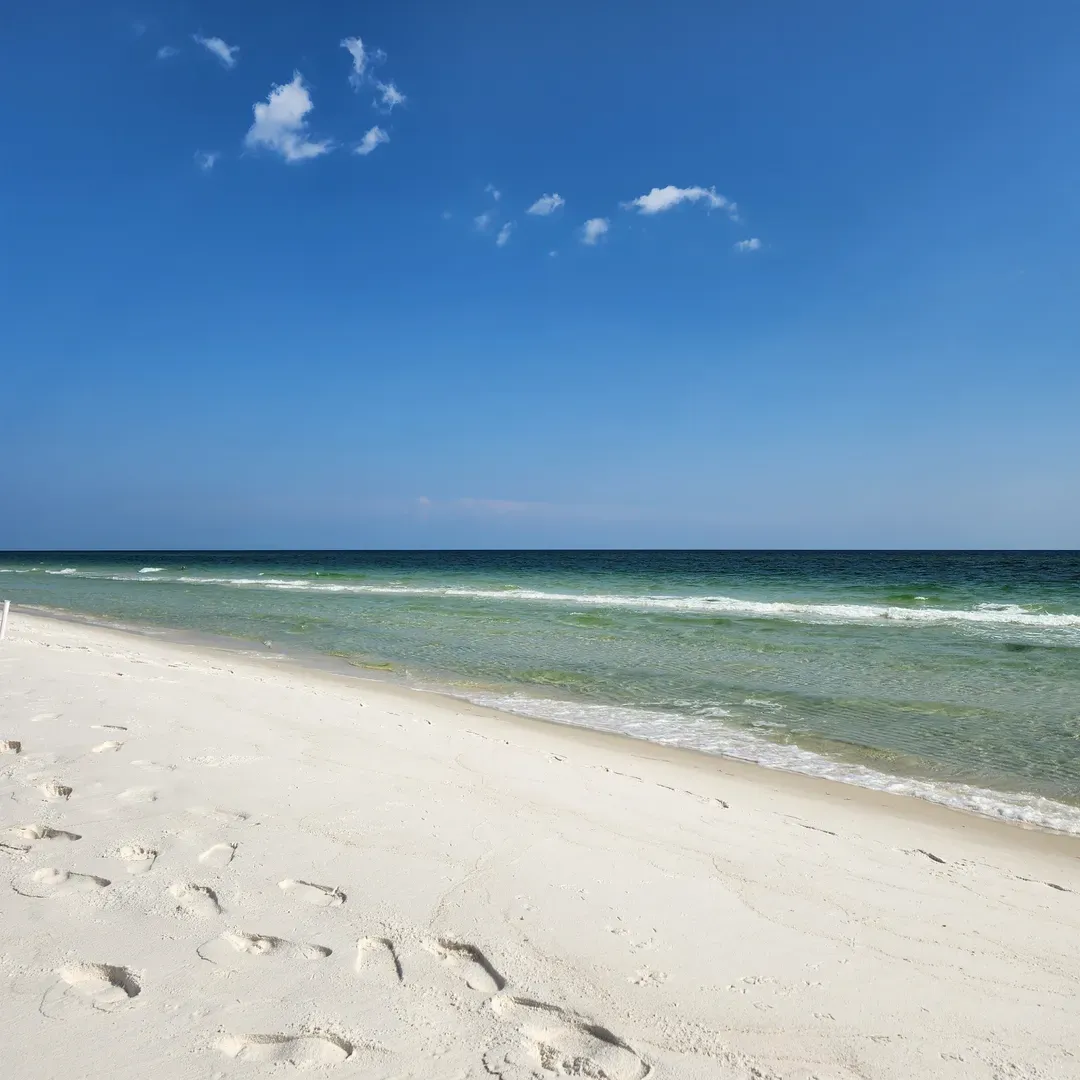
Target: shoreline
<point>246,865</point>
<point>329,665</point>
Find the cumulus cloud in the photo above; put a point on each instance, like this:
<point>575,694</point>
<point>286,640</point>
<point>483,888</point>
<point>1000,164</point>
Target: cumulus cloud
<point>166,51</point>
<point>372,137</point>
<point>504,234</point>
<point>753,244</point>
<point>280,125</point>
<point>207,160</point>
<point>546,204</point>
<point>593,229</point>
<point>493,191</point>
<point>389,95</point>
<point>482,221</point>
<point>225,53</point>
<point>359,60</point>
<point>661,199</point>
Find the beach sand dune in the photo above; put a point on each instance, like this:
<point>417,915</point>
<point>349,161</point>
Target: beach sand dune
<point>271,870</point>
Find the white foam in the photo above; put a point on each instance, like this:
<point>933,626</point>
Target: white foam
<point>989,615</point>
<point>671,729</point>
<point>152,570</point>
<point>67,570</point>
<point>272,583</point>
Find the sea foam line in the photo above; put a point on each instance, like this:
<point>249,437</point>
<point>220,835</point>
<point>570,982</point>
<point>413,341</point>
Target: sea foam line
<point>985,614</point>
<point>671,729</point>
<point>988,615</point>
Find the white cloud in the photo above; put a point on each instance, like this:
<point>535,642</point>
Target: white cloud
<point>753,244</point>
<point>372,137</point>
<point>206,161</point>
<point>546,204</point>
<point>593,229</point>
<point>280,125</point>
<point>504,234</point>
<point>359,60</point>
<point>482,221</point>
<point>493,191</point>
<point>225,53</point>
<point>166,51</point>
<point>390,95</point>
<point>660,199</point>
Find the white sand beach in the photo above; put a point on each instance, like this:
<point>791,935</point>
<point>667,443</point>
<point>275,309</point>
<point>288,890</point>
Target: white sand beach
<point>220,865</point>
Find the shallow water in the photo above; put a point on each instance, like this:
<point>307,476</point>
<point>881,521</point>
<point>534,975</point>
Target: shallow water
<point>949,675</point>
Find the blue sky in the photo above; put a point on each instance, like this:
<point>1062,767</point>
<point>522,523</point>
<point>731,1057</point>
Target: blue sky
<point>219,328</point>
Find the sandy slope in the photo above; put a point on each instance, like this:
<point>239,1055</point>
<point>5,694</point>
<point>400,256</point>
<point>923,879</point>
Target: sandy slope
<point>217,866</point>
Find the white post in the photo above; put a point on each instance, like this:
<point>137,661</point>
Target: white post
<point>3,620</point>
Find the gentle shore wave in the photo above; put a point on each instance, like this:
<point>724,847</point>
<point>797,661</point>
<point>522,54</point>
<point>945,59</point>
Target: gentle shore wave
<point>983,614</point>
<point>670,729</point>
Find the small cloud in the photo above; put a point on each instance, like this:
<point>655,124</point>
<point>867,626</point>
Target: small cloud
<point>206,160</point>
<point>661,199</point>
<point>546,204</point>
<point>166,51</point>
<point>280,125</point>
<point>359,60</point>
<point>482,221</point>
<point>372,137</point>
<point>389,95</point>
<point>138,28</point>
<point>493,191</point>
<point>225,53</point>
<point>753,244</point>
<point>593,229</point>
<point>504,234</point>
<point>446,215</point>
<point>553,254</point>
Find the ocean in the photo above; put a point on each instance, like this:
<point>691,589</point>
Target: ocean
<point>949,676</point>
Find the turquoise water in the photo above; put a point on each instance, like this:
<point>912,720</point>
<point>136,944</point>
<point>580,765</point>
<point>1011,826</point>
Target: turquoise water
<point>952,676</point>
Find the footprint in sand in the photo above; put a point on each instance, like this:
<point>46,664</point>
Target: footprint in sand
<point>138,795</point>
<point>197,900</point>
<point>218,813</point>
<point>376,958</point>
<point>318,1048</point>
<point>153,766</point>
<point>10,746</point>
<point>105,747</point>
<point>647,977</point>
<point>468,963</point>
<point>234,949</point>
<point>319,895</point>
<point>219,856</point>
<point>54,790</point>
<point>41,716</point>
<point>560,1042</point>
<point>38,831</point>
<point>48,882</point>
<point>139,859</point>
<point>102,986</point>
